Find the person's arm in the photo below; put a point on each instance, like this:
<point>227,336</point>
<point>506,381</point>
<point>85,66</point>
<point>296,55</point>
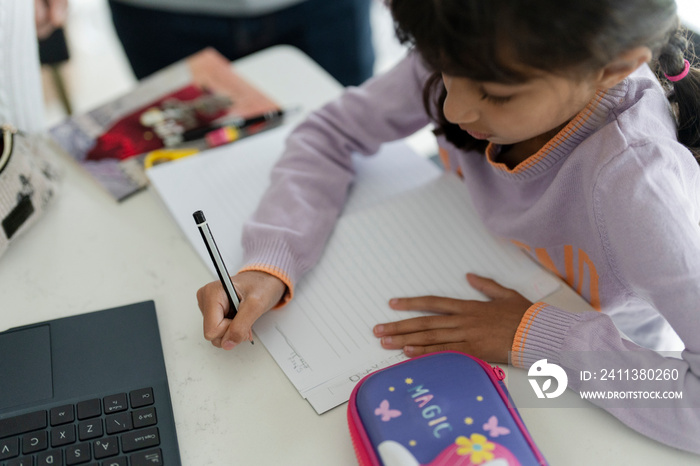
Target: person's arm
<point>590,341</point>
<point>653,238</point>
<point>309,185</point>
<point>308,188</point>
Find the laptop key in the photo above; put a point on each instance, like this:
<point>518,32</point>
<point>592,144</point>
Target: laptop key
<point>23,423</point>
<point>9,448</point>
<point>105,447</point>
<point>144,417</point>
<point>120,422</point>
<point>140,439</point>
<point>77,454</point>
<point>90,429</point>
<point>63,435</point>
<point>24,461</point>
<point>115,403</point>
<point>147,458</point>
<point>62,415</point>
<point>89,408</point>
<point>49,458</point>
<point>36,441</point>
<point>141,397</point>
<point>121,461</point>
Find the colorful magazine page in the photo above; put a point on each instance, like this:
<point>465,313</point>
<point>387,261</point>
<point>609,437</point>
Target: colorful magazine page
<point>171,110</point>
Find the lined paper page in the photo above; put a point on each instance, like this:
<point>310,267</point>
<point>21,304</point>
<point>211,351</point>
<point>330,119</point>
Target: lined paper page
<point>421,243</point>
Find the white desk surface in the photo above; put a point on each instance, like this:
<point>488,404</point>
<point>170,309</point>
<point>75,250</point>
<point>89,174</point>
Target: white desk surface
<point>237,407</point>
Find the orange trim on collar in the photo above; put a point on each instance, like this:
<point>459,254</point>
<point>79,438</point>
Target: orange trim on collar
<point>571,128</point>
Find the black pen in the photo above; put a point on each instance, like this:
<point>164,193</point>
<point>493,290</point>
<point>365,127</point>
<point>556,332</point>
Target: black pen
<point>263,117</point>
<point>219,265</point>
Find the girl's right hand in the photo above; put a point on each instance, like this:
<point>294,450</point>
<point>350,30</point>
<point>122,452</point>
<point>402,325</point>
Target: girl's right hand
<point>258,292</point>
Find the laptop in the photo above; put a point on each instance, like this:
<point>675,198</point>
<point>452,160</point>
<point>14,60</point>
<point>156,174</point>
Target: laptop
<point>90,389</point>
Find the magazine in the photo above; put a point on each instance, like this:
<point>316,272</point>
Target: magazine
<point>167,116</point>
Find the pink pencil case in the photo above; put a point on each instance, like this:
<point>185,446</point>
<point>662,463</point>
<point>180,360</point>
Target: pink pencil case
<point>445,408</point>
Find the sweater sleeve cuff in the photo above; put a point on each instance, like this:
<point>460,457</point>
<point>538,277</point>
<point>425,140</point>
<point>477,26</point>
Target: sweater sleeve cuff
<point>275,272</point>
<point>540,334</point>
<point>273,257</point>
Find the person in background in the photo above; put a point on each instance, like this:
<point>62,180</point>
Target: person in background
<point>572,147</point>
<point>335,33</point>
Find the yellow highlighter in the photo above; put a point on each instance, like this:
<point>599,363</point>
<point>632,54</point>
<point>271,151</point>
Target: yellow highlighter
<point>166,155</point>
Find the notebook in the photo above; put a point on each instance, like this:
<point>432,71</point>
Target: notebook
<point>88,389</point>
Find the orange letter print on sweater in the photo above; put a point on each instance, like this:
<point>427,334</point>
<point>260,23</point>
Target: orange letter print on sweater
<point>578,270</point>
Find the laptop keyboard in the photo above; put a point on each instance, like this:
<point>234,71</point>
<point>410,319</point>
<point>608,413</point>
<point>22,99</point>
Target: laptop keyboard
<point>117,430</point>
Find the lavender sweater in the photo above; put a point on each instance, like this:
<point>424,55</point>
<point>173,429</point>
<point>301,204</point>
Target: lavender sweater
<point>611,205</point>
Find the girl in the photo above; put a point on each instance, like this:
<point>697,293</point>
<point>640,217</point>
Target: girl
<point>570,149</point>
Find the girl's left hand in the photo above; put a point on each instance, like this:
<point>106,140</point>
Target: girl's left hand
<point>485,329</point>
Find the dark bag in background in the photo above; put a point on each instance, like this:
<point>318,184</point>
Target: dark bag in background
<point>28,182</point>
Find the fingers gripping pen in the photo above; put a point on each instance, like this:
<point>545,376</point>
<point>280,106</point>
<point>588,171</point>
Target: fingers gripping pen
<point>219,265</point>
